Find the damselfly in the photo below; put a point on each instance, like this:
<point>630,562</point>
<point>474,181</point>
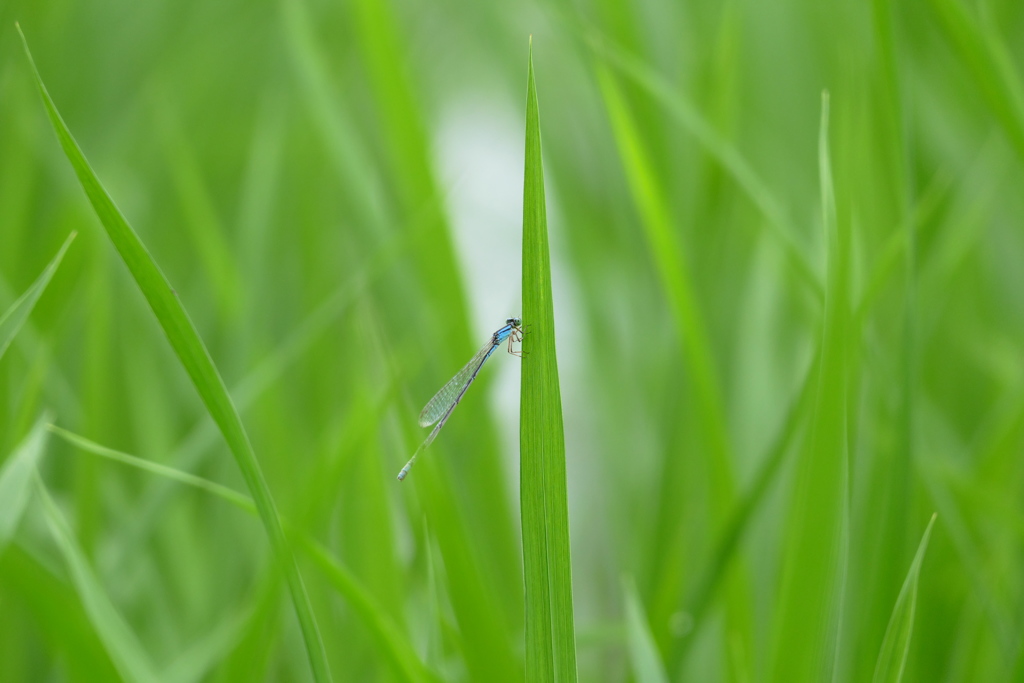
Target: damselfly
<point>440,408</point>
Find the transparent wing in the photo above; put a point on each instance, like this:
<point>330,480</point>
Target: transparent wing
<point>444,398</point>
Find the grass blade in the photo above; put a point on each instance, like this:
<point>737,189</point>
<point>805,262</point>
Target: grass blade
<point>809,610</point>
<point>991,64</point>
<point>171,473</point>
<point>643,651</point>
<point>550,641</point>
<point>14,480</point>
<point>391,639</point>
<point>892,659</point>
<point>714,570</point>
<point>128,655</point>
<point>780,226</point>
<point>15,316</point>
<point>70,637</point>
<point>198,661</point>
<point>668,253</point>
<point>196,360</point>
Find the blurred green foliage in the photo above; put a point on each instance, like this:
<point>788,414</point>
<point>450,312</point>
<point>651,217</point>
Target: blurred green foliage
<point>767,393</point>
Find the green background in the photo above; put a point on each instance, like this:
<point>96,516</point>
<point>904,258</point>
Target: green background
<point>768,388</point>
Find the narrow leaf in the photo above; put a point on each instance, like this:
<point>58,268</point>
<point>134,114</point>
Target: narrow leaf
<point>15,316</point>
<point>15,478</point>
<point>195,359</point>
<point>892,659</point>
<point>643,651</point>
<point>124,648</point>
<point>171,473</point>
<point>810,607</point>
<point>550,641</point>
<point>391,639</point>
<point>669,255</point>
<point>677,282</point>
<point>991,64</point>
<point>780,227</point>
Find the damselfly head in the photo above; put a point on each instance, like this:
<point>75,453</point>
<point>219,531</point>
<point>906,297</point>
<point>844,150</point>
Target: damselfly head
<point>514,322</point>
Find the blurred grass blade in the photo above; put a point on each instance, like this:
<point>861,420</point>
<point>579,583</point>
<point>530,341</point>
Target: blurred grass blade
<point>128,655</point>
<point>171,473</point>
<point>716,568</point>
<point>199,661</point>
<point>892,659</point>
<point>643,652</point>
<point>195,358</point>
<point>780,227</point>
<point>550,640</point>
<point>668,253</point>
<point>313,71</point>
<point>813,571</point>
<point>970,550</point>
<point>14,480</point>
<point>204,228</point>
<point>991,64</point>
<point>396,648</point>
<point>15,316</point>
<point>388,635</point>
<point>194,447</point>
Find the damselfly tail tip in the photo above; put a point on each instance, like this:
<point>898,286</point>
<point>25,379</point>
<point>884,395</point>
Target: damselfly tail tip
<point>405,470</point>
<point>408,466</point>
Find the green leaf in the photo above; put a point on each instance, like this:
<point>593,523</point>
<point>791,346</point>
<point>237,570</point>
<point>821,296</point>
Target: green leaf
<point>68,635</point>
<point>643,651</point>
<point>892,658</point>
<point>392,641</point>
<point>982,49</point>
<point>780,227</point>
<point>15,316</point>
<point>810,603</point>
<point>171,473</point>
<point>727,544</point>
<point>195,359</point>
<point>669,255</point>
<point>124,648</point>
<point>14,480</point>
<point>550,640</point>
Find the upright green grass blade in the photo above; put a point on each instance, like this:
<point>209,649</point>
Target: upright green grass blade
<point>69,635</point>
<point>808,614</point>
<point>550,641</point>
<point>892,659</point>
<point>981,48</point>
<point>15,316</point>
<point>400,652</point>
<point>716,568</point>
<point>643,651</point>
<point>15,476</point>
<point>779,226</point>
<point>198,662</point>
<point>205,230</point>
<point>668,253</point>
<point>124,648</point>
<point>195,358</point>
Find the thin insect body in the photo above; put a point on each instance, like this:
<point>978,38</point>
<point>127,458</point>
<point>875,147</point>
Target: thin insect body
<point>440,408</point>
